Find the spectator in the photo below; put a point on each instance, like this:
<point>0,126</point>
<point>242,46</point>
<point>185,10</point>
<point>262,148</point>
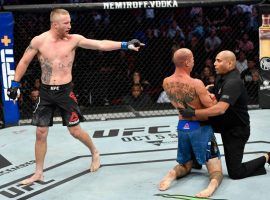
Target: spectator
<point>241,63</point>
<point>206,74</point>
<point>137,80</point>
<point>245,44</point>
<point>34,95</point>
<point>174,31</point>
<point>245,8</point>
<point>212,42</point>
<point>137,98</point>
<point>163,98</point>
<point>211,79</point>
<point>239,31</point>
<point>197,30</point>
<point>209,63</point>
<point>251,80</point>
<point>253,24</point>
<point>37,84</point>
<point>196,46</point>
<point>196,11</point>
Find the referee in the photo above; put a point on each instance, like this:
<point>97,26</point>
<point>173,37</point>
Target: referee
<point>230,117</point>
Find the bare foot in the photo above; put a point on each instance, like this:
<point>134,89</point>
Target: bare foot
<point>32,179</point>
<point>95,162</point>
<point>205,193</point>
<point>167,180</point>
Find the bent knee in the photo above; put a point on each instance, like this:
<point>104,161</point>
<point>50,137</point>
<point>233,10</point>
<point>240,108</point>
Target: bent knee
<point>181,170</point>
<point>187,168</point>
<point>235,175</point>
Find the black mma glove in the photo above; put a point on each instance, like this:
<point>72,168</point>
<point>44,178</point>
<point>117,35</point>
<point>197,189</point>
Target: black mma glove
<point>187,111</point>
<point>132,44</point>
<point>13,92</point>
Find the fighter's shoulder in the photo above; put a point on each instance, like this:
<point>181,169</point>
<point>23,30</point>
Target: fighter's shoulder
<point>167,80</point>
<point>197,82</point>
<point>76,36</point>
<point>37,40</point>
<point>42,36</point>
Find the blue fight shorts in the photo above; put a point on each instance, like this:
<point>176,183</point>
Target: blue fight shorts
<point>196,140</point>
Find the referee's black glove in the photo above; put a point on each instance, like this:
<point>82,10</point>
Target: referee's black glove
<point>188,111</point>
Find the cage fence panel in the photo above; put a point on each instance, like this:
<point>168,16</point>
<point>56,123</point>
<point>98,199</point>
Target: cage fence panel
<point>104,81</point>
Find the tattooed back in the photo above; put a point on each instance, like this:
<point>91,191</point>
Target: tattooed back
<point>183,90</point>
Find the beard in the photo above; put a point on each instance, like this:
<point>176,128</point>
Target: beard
<point>63,34</point>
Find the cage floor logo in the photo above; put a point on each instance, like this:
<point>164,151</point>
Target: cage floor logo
<point>155,135</point>
<point>14,190</point>
<point>19,190</point>
<point>4,162</point>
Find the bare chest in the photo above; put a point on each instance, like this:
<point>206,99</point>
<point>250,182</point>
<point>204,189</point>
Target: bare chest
<point>57,51</point>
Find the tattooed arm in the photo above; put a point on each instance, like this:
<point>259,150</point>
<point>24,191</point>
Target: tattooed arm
<point>28,56</point>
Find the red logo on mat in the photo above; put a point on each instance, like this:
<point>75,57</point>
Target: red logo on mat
<point>73,117</point>
<point>72,96</point>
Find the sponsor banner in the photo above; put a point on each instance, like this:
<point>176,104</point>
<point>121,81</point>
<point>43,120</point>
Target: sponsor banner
<point>264,35</point>
<point>10,109</point>
<point>264,92</point>
<point>140,4</point>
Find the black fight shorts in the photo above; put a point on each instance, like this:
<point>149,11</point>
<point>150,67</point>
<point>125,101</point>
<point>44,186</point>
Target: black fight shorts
<point>57,96</point>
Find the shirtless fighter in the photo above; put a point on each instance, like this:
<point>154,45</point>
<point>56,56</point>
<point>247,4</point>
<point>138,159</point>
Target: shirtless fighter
<point>196,139</point>
<point>55,50</point>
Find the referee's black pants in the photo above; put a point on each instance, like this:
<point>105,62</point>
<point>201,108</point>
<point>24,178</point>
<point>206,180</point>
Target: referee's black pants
<point>234,140</point>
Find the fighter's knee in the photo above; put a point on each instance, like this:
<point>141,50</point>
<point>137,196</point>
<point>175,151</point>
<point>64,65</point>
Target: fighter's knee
<point>75,132</point>
<point>41,133</point>
<point>187,168</point>
<point>182,170</point>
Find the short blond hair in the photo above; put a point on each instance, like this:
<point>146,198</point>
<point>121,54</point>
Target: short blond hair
<point>57,11</point>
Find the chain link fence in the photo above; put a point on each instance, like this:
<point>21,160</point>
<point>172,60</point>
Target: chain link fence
<point>104,81</point>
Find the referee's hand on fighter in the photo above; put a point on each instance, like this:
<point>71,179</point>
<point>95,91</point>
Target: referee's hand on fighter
<point>188,111</point>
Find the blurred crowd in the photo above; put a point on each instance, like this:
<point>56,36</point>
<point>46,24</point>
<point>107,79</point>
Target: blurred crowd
<point>123,77</point>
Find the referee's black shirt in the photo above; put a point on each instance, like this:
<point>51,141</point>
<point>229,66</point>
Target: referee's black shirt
<point>229,88</point>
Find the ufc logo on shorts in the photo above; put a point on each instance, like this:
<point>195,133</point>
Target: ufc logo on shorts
<point>54,88</point>
<point>7,59</point>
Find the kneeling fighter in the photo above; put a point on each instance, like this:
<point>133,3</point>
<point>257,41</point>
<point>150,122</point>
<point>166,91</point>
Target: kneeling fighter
<point>196,139</point>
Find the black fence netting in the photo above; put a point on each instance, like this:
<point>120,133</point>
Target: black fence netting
<point>104,81</point>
